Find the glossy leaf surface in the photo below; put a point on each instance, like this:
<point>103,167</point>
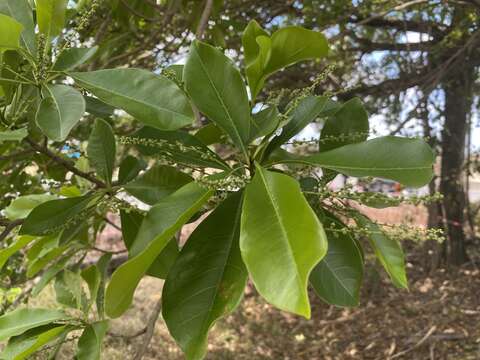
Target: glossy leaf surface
<point>152,99</point>
<point>59,111</point>
<point>18,321</point>
<point>207,280</point>
<point>218,90</point>
<point>158,227</point>
<point>281,240</point>
<point>338,276</point>
<point>388,251</point>
<point>157,183</point>
<point>101,149</point>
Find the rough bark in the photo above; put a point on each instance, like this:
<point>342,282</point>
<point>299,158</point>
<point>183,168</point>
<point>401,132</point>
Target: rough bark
<point>458,100</point>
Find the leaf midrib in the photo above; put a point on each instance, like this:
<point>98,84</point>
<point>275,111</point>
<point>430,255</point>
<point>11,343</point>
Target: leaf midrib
<point>138,101</point>
<point>225,109</point>
<point>282,227</point>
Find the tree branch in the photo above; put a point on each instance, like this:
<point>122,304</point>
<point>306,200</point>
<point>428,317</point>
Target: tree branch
<point>202,25</point>
<point>149,330</point>
<point>65,163</point>
<point>367,45</point>
<point>9,226</point>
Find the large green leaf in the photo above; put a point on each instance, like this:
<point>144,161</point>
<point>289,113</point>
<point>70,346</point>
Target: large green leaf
<point>18,321</point>
<point>131,223</point>
<point>101,149</point>
<point>265,55</point>
<point>256,47</point>
<point>73,57</point>
<point>178,146</point>
<point>152,99</point>
<point>281,240</point>
<point>265,122</point>
<point>348,125</point>
<point>10,31</point>
<point>13,135</point>
<point>388,251</point>
<point>21,11</point>
<point>68,289</point>
<point>51,16</point>
<point>23,205</point>
<point>157,229</point>
<point>90,343</point>
<point>22,346</point>
<point>218,90</point>
<point>59,111</point>
<point>19,244</point>
<point>157,183</point>
<point>207,280</point>
<point>408,161</point>
<point>338,276</point>
<point>54,215</point>
<point>129,168</point>
<point>292,44</point>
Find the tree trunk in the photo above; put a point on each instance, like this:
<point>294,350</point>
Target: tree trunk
<point>458,101</point>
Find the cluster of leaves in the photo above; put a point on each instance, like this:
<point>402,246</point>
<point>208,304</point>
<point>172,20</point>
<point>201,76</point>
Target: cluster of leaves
<point>263,223</point>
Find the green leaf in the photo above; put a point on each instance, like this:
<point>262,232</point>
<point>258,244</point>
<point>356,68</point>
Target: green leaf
<point>265,55</point>
<point>54,215</point>
<point>102,266</point>
<point>408,161</point>
<point>256,47</point>
<point>130,167</point>
<point>338,277</point>
<point>98,108</point>
<point>218,90</point>
<point>209,134</point>
<point>18,321</point>
<point>152,99</point>
<point>387,250</point>
<point>348,125</point>
<point>157,183</point>
<point>101,150</point>
<point>23,205</point>
<point>22,346</point>
<point>165,260</point>
<point>131,222</point>
<point>19,244</point>
<point>13,135</point>
<point>10,31</point>
<point>68,289</point>
<point>90,343</point>
<point>51,16</point>
<point>179,146</point>
<point>38,264</point>
<point>293,44</point>
<point>92,277</point>
<point>48,275</point>
<point>207,280</point>
<point>59,111</point>
<point>73,57</point>
<point>281,240</point>
<point>21,11</point>
<point>307,110</point>
<point>158,227</point>
<point>264,122</point>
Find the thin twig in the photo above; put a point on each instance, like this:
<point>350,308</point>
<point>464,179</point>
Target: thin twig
<point>202,25</point>
<point>9,226</point>
<point>65,163</point>
<point>149,331</point>
<point>419,343</point>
